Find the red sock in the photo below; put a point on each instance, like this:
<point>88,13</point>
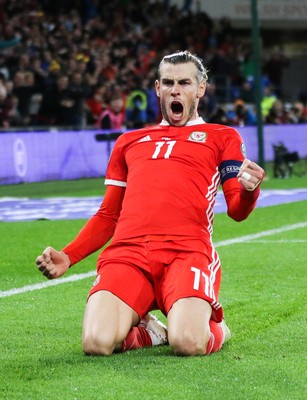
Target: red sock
<point>216,338</point>
<point>137,337</point>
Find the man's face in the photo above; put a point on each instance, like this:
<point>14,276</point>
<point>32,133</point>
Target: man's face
<point>179,92</point>
<point>117,105</point>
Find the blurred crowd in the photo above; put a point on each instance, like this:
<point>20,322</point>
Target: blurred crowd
<point>91,63</point>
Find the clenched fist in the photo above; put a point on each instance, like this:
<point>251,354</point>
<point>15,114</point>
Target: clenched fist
<point>52,263</point>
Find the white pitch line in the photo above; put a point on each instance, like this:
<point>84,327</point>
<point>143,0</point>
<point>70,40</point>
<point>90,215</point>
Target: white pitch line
<point>43,285</point>
<point>78,277</point>
<point>277,241</point>
<point>269,232</point>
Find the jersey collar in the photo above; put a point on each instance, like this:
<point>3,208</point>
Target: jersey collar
<point>196,121</point>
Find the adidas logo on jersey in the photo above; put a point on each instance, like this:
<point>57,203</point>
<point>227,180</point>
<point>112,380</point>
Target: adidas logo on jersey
<point>145,139</point>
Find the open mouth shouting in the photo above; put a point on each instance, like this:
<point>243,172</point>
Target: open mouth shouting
<point>176,110</point>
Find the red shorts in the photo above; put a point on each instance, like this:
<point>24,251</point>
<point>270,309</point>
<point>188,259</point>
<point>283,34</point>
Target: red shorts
<point>152,275</point>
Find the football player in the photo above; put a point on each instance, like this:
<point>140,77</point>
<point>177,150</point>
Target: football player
<point>158,209</point>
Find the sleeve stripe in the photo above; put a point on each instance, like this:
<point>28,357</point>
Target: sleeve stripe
<point>115,183</point>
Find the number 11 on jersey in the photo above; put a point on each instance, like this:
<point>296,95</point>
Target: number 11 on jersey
<point>164,146</point>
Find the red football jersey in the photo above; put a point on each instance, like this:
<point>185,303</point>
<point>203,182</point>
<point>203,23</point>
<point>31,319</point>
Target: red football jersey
<point>171,177</point>
<point>163,185</point>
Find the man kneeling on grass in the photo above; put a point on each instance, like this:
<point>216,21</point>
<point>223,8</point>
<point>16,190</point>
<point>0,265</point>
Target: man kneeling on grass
<point>158,209</point>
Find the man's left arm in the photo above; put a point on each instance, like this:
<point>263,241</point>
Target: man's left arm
<point>241,192</point>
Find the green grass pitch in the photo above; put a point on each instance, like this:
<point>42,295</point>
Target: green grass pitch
<point>263,292</point>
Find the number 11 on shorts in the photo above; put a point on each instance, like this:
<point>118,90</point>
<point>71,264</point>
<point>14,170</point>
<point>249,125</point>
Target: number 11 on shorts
<point>198,276</point>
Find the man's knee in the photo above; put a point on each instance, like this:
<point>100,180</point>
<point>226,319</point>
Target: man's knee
<point>98,344</point>
<point>188,326</point>
<point>187,343</point>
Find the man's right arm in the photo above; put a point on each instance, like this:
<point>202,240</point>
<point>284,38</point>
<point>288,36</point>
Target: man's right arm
<point>99,229</point>
<point>94,235</point>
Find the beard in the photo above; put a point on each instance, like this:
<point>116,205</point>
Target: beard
<point>166,116</point>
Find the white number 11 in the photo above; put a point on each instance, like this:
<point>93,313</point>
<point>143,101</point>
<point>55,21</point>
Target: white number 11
<point>170,144</point>
<point>198,275</point>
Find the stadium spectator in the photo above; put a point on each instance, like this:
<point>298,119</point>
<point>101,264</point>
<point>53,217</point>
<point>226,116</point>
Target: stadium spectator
<point>28,96</point>
<point>246,91</point>
<point>5,106</point>
<point>94,105</point>
<point>278,114</point>
<point>153,114</point>
<point>298,114</point>
<point>80,91</point>
<point>273,67</point>
<point>268,99</point>
<point>60,104</point>
<point>136,106</point>
<point>113,117</point>
<point>158,209</point>
<point>186,6</point>
<point>209,102</point>
<point>219,116</point>
<point>220,64</point>
<point>241,115</point>
<point>40,75</point>
<point>9,114</point>
<point>4,70</point>
<point>14,117</point>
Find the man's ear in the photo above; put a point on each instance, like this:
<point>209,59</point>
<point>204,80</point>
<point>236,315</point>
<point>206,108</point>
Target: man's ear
<point>201,90</point>
<point>157,87</point>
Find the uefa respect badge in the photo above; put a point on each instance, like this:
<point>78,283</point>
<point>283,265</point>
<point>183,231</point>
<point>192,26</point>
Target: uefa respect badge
<point>243,149</point>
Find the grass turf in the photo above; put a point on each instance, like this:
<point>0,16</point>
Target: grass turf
<point>262,291</point>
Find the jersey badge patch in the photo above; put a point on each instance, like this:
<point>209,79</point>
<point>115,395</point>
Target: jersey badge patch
<point>243,150</point>
<point>198,136</point>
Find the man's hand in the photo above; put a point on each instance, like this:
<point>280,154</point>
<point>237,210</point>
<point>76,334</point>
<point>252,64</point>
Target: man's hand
<point>52,263</point>
<point>250,175</point>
